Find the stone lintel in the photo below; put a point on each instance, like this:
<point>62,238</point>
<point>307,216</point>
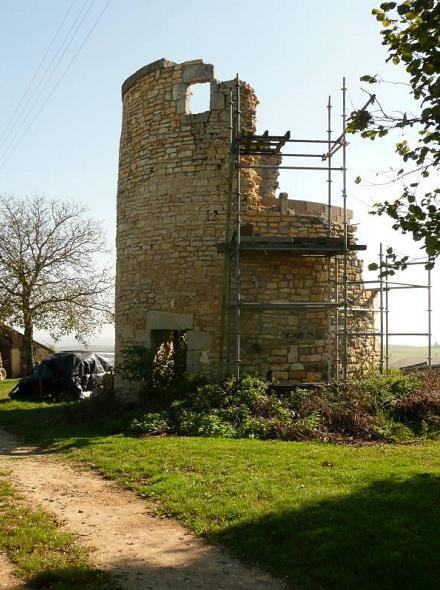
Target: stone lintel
<point>200,72</point>
<point>167,320</point>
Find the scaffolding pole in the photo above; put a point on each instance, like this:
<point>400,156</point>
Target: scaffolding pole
<point>344,201</point>
<point>238,227</point>
<point>329,231</point>
<point>387,313</point>
<point>429,315</point>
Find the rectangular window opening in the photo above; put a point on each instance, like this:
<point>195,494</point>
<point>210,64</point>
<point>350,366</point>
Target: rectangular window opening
<point>199,98</point>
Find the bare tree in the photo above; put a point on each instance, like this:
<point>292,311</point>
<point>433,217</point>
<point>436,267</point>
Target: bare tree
<point>49,278</point>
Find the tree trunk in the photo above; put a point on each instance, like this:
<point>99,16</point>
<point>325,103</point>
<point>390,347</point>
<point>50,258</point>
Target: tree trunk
<point>28,343</point>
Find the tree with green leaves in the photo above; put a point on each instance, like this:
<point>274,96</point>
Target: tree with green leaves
<point>49,278</point>
<point>411,33</point>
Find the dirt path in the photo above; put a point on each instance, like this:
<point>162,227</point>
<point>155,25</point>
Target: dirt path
<point>145,553</point>
<point>8,581</point>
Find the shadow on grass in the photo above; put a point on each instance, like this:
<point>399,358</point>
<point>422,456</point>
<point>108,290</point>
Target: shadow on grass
<point>45,424</point>
<point>73,577</point>
<point>203,573</point>
<point>385,536</point>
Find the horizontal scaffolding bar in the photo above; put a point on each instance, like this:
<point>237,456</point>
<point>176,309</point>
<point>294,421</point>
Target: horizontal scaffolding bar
<point>272,153</point>
<point>409,285</point>
<point>308,141</point>
<point>291,305</point>
<point>406,287</point>
<point>267,167</point>
<point>277,138</point>
<point>417,263</point>
<point>380,333</point>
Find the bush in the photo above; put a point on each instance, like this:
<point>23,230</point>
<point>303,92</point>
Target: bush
<point>421,404</point>
<point>153,423</point>
<point>382,390</point>
<point>378,407</point>
<point>194,424</point>
<point>161,374</point>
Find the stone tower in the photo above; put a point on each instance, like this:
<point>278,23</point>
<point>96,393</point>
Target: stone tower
<point>171,220</point>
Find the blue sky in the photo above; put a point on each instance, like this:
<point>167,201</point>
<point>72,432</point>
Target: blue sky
<point>294,53</point>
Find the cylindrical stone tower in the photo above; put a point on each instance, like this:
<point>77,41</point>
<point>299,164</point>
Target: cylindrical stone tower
<point>173,179</point>
<point>171,221</point>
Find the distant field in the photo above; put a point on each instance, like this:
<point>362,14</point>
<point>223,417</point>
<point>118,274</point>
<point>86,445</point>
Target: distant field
<point>399,352</point>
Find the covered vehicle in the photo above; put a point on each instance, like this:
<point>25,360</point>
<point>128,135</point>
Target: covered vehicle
<point>65,376</point>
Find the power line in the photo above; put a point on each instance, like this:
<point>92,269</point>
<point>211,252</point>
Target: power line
<point>43,59</point>
<point>48,74</point>
<point>100,15</point>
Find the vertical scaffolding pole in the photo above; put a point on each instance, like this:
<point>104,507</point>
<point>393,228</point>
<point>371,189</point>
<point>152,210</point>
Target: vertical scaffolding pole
<point>329,231</point>
<point>238,228</point>
<point>329,165</point>
<point>344,200</point>
<point>381,309</point>
<point>387,312</point>
<point>337,367</point>
<point>429,317</point>
<point>226,289</point>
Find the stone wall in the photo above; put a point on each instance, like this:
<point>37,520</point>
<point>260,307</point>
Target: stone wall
<point>12,352</point>
<point>171,218</point>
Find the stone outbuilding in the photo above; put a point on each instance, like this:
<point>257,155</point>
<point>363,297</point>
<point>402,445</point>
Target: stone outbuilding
<point>12,352</point>
<point>172,217</point>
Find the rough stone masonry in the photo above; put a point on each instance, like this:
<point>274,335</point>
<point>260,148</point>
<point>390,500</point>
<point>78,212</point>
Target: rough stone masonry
<point>171,218</point>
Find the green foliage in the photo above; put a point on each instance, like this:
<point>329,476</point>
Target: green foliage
<point>246,408</point>
<point>411,33</point>
<point>190,423</point>
<point>382,390</point>
<point>161,374</point>
<point>149,424</point>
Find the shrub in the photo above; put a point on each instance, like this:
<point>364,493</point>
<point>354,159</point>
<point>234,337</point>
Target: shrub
<point>421,404</point>
<point>382,390</point>
<point>161,374</point>
<point>376,407</point>
<point>190,423</point>
<point>153,423</point>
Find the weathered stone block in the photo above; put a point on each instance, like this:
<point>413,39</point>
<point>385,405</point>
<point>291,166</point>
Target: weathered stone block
<point>193,362</point>
<point>166,320</point>
<point>193,73</point>
<point>198,340</point>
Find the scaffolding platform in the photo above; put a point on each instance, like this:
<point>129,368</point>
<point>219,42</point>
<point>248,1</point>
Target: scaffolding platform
<point>287,305</point>
<point>263,144</point>
<point>296,246</point>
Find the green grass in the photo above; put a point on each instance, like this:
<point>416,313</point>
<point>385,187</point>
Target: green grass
<point>6,386</point>
<point>44,556</point>
<point>323,516</point>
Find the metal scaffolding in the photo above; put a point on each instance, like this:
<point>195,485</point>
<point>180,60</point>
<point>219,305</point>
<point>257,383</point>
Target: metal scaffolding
<point>335,249</point>
<point>385,286</point>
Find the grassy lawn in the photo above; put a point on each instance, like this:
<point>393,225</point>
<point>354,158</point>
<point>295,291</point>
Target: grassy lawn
<point>44,556</point>
<point>322,516</point>
<point>6,386</point>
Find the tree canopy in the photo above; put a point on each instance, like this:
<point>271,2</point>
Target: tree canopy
<point>49,277</point>
<point>411,33</point>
